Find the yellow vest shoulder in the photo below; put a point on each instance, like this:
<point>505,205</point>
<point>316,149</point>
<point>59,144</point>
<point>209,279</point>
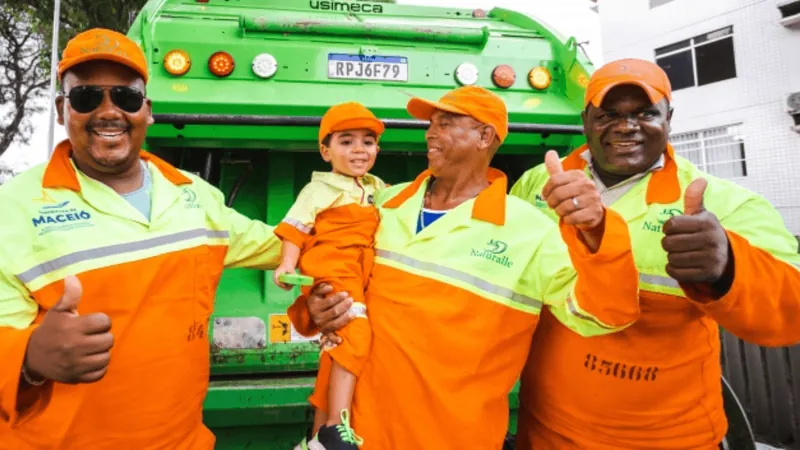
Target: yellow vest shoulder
<point>386,194</point>
<point>23,183</point>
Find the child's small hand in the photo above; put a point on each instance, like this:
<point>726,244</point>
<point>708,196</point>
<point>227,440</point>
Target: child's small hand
<point>276,277</point>
<point>329,340</point>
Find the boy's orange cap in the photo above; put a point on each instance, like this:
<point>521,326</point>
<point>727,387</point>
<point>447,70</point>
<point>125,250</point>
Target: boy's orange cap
<point>474,101</point>
<point>349,116</point>
<point>645,74</point>
<point>99,44</point>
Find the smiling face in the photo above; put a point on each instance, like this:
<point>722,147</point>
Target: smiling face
<point>105,139</point>
<point>627,133</point>
<point>351,152</point>
<point>457,144</point>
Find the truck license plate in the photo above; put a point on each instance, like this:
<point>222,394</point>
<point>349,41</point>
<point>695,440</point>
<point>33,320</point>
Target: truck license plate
<point>376,68</point>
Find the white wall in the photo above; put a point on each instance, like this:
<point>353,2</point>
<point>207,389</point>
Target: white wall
<point>768,70</point>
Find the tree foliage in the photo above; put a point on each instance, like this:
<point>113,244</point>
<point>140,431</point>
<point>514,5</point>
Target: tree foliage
<point>25,47</point>
<point>23,77</point>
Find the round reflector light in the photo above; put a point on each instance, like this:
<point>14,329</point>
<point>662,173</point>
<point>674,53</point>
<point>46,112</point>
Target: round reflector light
<point>467,74</point>
<point>221,64</point>
<point>177,62</point>
<point>540,78</point>
<point>265,65</point>
<point>503,76</point>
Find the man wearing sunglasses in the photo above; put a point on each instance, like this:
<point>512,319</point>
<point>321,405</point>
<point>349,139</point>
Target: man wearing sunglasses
<point>108,246</point>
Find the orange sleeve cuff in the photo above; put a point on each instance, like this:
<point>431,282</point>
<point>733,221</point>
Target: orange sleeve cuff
<point>608,280</point>
<point>703,294</point>
<point>13,345</point>
<point>763,303</point>
<point>301,318</point>
<point>284,231</point>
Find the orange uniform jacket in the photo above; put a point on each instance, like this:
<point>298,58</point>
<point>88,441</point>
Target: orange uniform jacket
<point>453,309</point>
<point>156,279</point>
<point>339,253</point>
<point>333,222</point>
<point>657,384</point>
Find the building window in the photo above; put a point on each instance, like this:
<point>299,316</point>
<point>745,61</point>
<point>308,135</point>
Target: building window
<point>718,151</point>
<point>698,61</point>
<point>656,3</point>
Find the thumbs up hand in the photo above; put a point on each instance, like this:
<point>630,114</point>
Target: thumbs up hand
<point>68,347</point>
<point>575,199</point>
<point>696,243</point>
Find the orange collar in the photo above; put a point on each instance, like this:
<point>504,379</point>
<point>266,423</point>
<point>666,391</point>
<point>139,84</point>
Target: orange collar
<point>61,174</point>
<point>490,205</point>
<point>663,186</point>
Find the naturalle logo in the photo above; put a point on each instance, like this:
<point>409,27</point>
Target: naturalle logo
<point>494,252</point>
<point>190,198</point>
<point>662,218</point>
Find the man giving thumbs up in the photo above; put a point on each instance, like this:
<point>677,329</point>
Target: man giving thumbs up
<point>105,233</point>
<point>696,244</point>
<point>709,253</point>
<point>574,198</point>
<point>67,347</point>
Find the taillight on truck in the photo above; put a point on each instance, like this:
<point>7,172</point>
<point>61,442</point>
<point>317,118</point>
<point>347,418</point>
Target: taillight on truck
<point>177,62</point>
<point>221,64</point>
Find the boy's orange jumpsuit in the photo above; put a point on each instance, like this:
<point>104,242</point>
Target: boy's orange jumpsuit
<point>333,221</point>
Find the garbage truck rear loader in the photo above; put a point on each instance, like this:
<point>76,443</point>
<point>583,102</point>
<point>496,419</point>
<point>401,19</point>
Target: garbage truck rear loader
<point>238,90</point>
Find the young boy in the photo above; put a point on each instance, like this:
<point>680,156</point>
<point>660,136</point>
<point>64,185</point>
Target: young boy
<point>330,230</point>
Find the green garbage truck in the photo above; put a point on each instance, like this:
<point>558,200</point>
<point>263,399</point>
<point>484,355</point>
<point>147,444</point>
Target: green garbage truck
<point>238,90</point>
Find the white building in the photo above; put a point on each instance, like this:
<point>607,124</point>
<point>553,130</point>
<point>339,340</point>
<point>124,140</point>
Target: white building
<point>734,65</point>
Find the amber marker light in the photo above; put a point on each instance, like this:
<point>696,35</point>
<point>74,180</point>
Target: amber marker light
<point>177,62</point>
<point>503,76</point>
<point>540,78</point>
<point>221,64</point>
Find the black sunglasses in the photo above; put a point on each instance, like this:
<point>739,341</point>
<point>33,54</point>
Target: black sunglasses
<point>87,98</point>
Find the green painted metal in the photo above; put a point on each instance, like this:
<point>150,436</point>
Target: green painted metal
<point>259,386</point>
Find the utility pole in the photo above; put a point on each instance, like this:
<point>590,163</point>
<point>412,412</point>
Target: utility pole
<point>53,67</point>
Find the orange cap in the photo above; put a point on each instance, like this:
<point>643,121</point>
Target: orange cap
<point>645,74</point>
<point>103,45</point>
<point>349,116</point>
<point>473,101</point>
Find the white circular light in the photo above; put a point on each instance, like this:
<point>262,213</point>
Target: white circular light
<point>265,65</point>
<point>467,74</point>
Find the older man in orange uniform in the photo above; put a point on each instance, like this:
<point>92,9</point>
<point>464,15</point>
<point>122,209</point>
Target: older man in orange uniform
<point>461,273</point>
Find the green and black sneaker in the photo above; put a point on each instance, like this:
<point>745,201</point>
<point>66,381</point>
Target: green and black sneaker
<point>337,437</point>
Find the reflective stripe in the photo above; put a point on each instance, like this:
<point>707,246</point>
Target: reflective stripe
<point>659,281</point>
<point>297,224</point>
<point>460,276</point>
<point>217,234</point>
<point>574,311</point>
<point>116,249</point>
